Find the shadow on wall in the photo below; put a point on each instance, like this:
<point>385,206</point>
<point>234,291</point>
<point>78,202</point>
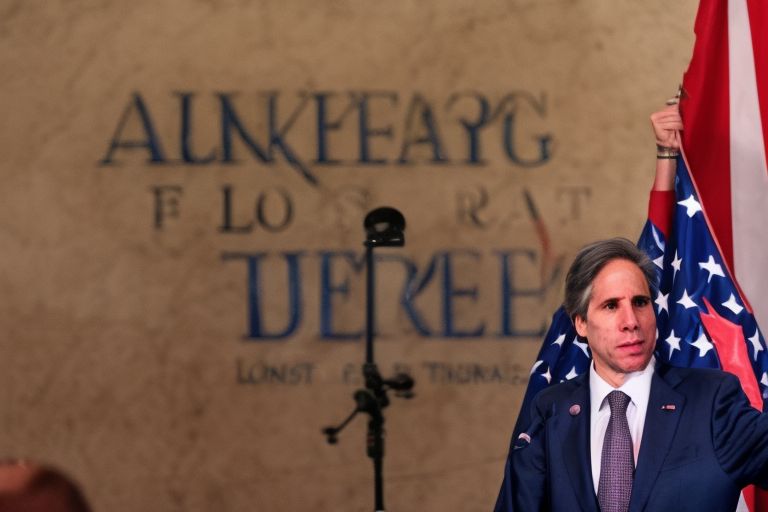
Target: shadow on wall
<point>29,487</point>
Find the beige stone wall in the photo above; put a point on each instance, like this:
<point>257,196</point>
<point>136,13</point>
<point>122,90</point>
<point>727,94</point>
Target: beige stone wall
<point>127,358</point>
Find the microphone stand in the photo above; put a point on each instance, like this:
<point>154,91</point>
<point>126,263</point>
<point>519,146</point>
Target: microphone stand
<point>384,228</point>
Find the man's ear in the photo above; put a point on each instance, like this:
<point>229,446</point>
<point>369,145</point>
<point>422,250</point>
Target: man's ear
<point>581,326</point>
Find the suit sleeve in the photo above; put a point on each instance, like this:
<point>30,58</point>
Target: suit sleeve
<point>524,485</point>
<point>740,435</point>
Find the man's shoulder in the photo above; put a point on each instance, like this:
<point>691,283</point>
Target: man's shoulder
<point>693,373</point>
<point>695,376</point>
<point>563,390</point>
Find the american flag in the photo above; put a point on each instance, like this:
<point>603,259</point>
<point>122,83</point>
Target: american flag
<point>702,317</point>
<point>725,114</point>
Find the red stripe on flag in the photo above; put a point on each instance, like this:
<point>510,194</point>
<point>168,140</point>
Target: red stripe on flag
<point>758,19</point>
<point>661,210</point>
<point>706,118</point>
<point>732,352</point>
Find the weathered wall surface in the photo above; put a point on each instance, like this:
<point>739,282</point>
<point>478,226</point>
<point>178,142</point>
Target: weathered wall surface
<point>181,212</point>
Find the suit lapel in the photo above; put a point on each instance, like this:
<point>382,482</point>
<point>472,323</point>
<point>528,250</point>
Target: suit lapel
<point>665,405</point>
<point>576,453</point>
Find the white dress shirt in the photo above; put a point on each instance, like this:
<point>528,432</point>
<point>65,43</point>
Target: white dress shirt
<point>637,386</point>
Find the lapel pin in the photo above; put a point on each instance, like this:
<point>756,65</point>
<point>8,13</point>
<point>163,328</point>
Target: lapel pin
<point>668,407</point>
<point>575,409</point>
<point>524,437</point>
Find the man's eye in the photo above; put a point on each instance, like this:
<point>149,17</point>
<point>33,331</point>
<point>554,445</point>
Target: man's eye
<point>610,306</point>
<point>641,301</point>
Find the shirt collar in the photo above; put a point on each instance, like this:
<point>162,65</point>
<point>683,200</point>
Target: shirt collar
<point>637,385</point>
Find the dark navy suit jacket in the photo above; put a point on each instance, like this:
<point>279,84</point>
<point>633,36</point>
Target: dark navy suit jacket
<point>702,442</point>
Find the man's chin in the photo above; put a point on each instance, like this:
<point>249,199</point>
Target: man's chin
<point>636,363</point>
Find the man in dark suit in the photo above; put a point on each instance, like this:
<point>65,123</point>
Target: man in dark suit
<point>631,434</point>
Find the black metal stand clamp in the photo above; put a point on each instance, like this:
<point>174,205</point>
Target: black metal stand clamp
<point>384,227</point>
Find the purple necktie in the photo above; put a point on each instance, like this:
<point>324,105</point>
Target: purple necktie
<point>617,463</point>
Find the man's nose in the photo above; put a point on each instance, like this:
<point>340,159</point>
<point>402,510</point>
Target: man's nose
<point>629,320</point>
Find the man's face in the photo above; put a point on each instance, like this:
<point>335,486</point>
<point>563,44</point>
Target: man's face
<point>620,324</point>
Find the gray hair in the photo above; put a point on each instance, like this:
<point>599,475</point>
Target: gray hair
<point>590,261</point>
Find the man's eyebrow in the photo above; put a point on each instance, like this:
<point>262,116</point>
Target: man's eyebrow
<point>617,299</point>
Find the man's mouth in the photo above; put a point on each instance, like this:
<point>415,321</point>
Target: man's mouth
<point>631,344</point>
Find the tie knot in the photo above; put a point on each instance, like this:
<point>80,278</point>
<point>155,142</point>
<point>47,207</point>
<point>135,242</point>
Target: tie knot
<point>618,401</point>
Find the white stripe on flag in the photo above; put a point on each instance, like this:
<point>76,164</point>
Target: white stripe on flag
<point>749,176</point>
<point>742,505</point>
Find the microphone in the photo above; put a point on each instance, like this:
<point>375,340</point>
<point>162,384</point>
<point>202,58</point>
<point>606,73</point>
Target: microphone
<point>384,227</point>
<point>525,437</point>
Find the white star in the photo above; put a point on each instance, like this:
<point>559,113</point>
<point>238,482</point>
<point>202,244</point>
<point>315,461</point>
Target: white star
<point>686,301</point>
<point>659,262</point>
<point>733,305</point>
<point>676,265</point>
<point>691,205</point>
<point>662,301</point>
<point>713,268</point>
<point>560,339</point>
<point>755,340</point>
<point>764,379</point>
<point>657,239</point>
<point>582,346</point>
<point>571,374</point>
<point>547,376</point>
<point>674,342</point>
<point>536,365</point>
<point>702,344</point>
